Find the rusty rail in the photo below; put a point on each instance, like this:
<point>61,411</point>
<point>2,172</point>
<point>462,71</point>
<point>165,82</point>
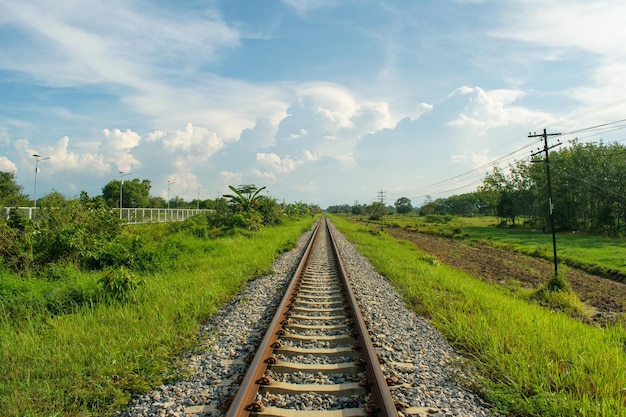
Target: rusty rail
<point>381,404</point>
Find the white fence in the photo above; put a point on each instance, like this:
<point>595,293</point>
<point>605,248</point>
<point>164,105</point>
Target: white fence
<point>153,215</point>
<point>129,215</point>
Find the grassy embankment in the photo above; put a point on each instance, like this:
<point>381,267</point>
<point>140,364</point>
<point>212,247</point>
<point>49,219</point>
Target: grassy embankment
<point>603,256</point>
<point>534,362</point>
<point>89,360</point>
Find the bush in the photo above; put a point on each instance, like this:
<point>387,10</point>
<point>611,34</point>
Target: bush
<point>15,248</point>
<point>74,233</point>
<point>120,284</point>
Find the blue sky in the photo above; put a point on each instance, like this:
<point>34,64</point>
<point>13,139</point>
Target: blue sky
<point>321,101</point>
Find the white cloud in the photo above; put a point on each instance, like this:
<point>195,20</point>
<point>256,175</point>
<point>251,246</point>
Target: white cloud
<point>481,111</point>
<point>6,165</point>
<point>276,163</point>
<point>230,178</point>
<point>117,146</point>
<point>75,45</point>
<point>327,121</point>
<point>422,109</point>
<point>594,26</point>
<point>195,142</point>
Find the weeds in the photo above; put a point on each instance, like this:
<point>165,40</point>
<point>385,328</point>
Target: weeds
<point>78,342</point>
<point>532,361</point>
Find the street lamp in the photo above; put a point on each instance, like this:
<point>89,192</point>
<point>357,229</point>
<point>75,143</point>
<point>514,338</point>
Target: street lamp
<point>122,175</point>
<point>199,188</point>
<point>169,183</point>
<point>37,159</point>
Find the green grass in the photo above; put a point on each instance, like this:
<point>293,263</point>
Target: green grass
<point>533,362</point>
<point>601,255</point>
<point>90,360</point>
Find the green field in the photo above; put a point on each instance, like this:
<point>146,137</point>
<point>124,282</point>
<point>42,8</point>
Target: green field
<point>597,254</point>
<point>66,352</point>
<point>533,361</point>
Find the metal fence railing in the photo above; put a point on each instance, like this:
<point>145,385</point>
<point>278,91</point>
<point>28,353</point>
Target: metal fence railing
<point>127,215</point>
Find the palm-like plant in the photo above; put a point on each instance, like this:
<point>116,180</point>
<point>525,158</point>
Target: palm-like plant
<point>246,197</point>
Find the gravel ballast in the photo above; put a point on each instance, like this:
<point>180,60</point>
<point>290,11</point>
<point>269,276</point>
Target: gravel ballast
<point>422,363</point>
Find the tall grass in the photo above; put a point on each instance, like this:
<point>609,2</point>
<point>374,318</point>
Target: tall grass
<point>534,362</point>
<point>90,361</point>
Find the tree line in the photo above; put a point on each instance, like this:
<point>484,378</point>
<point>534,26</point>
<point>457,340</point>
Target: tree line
<point>588,189</point>
<point>85,232</point>
<point>135,193</point>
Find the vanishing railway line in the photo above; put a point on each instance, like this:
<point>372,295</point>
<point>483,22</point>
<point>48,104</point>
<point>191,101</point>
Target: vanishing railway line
<point>319,358</point>
<point>316,358</point>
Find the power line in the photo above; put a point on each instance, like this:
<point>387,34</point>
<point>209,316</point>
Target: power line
<point>504,158</point>
<point>595,127</point>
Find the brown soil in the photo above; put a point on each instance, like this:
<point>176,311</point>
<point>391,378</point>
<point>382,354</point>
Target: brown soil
<point>604,298</point>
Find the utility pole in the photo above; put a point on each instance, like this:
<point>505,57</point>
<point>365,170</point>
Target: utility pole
<point>122,175</point>
<point>199,188</point>
<point>546,148</point>
<point>381,197</point>
<point>37,159</point>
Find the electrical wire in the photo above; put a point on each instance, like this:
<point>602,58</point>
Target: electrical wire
<point>423,192</point>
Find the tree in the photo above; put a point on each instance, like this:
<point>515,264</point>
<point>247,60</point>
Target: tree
<point>10,192</point>
<point>246,197</point>
<point>54,199</point>
<point>135,193</point>
<point>376,210</point>
<point>403,205</point>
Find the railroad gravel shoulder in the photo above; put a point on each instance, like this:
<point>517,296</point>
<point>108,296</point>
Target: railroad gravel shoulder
<point>422,363</point>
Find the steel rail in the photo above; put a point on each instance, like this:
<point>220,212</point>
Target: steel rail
<point>245,395</point>
<point>381,403</point>
<point>379,388</point>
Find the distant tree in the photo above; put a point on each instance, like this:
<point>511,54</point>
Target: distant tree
<point>54,199</point>
<point>135,193</point>
<point>343,208</point>
<point>403,205</point>
<point>376,210</point>
<point>157,202</point>
<point>178,202</point>
<point>10,192</point>
<point>357,209</point>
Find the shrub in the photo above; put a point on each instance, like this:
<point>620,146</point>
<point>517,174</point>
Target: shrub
<point>120,284</point>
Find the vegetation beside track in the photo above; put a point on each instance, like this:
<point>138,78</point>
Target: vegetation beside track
<point>82,342</point>
<point>532,361</point>
<point>599,255</point>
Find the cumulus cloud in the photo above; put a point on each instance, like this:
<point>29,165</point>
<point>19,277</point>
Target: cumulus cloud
<point>197,142</point>
<point>276,163</point>
<point>261,135</point>
<point>117,146</point>
<point>327,120</point>
<point>6,165</point>
<point>484,110</point>
<point>422,109</point>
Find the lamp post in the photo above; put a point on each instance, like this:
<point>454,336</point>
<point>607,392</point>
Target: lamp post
<point>169,184</point>
<point>37,159</point>
<point>199,188</point>
<point>122,175</point>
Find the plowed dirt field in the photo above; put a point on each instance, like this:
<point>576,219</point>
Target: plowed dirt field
<point>604,298</point>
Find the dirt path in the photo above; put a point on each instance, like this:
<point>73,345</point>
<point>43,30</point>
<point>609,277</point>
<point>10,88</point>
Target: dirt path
<point>606,298</point>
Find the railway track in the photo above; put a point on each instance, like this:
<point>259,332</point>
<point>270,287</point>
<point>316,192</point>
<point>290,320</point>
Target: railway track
<point>316,358</point>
